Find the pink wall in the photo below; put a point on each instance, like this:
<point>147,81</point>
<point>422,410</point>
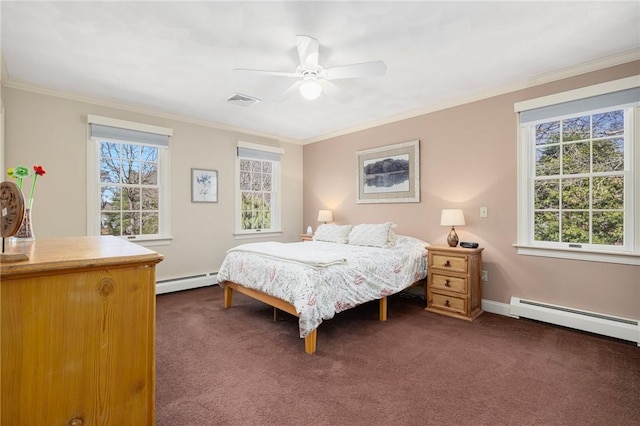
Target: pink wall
<point>468,160</point>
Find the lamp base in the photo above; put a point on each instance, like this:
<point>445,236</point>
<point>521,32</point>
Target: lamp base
<point>452,238</point>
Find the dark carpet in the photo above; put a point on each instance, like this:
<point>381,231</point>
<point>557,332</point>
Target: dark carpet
<point>236,366</point>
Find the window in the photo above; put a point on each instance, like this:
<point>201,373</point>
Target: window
<point>257,189</point>
<point>578,169</point>
<point>128,180</point>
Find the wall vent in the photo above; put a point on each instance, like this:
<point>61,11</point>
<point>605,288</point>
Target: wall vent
<point>242,100</point>
<point>593,322</point>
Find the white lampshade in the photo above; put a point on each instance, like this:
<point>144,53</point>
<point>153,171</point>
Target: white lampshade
<point>325,216</point>
<point>310,89</point>
<point>452,217</point>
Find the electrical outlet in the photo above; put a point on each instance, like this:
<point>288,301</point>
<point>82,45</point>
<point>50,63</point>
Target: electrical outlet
<point>485,276</point>
<point>484,212</point>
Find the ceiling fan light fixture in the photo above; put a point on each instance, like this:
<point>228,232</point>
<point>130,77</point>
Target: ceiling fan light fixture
<point>310,89</point>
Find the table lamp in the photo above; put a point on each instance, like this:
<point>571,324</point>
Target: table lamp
<point>452,217</point>
<point>325,216</point>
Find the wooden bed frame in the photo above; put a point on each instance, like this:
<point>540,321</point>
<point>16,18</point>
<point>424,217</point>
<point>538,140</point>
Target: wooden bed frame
<point>312,338</point>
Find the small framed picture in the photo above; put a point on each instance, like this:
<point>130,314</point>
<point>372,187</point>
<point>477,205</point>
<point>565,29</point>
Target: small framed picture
<point>204,186</point>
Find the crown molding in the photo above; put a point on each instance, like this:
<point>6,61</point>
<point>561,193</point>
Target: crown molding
<point>572,71</point>
<point>583,68</point>
<point>28,87</point>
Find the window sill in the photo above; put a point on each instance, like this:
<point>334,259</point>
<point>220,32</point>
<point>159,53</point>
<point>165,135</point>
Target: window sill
<point>624,258</point>
<point>253,235</point>
<point>150,241</point>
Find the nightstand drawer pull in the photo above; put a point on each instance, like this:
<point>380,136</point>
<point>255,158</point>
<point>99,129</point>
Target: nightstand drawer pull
<point>449,263</point>
<point>449,283</point>
<point>449,303</point>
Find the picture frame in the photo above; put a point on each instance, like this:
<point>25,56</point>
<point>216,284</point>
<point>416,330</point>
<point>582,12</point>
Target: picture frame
<point>389,174</point>
<point>204,186</point>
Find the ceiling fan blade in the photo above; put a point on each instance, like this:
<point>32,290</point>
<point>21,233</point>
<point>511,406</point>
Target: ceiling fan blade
<point>308,49</point>
<point>271,73</point>
<point>333,91</point>
<point>295,87</point>
<point>365,69</point>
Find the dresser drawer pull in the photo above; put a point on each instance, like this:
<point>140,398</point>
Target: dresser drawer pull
<point>447,283</point>
<point>447,264</point>
<point>77,421</point>
<point>447,304</point>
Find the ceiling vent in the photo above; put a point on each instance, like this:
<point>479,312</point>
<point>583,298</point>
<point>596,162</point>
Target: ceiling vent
<point>242,100</point>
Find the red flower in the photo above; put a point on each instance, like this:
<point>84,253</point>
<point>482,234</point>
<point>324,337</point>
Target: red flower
<point>39,170</point>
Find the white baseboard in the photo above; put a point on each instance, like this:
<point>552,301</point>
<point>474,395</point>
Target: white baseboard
<point>186,283</point>
<point>496,307</point>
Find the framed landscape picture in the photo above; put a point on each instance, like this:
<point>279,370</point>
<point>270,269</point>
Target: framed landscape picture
<point>389,174</point>
<point>204,186</point>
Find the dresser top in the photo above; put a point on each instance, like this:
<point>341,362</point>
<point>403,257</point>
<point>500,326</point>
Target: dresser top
<point>57,254</point>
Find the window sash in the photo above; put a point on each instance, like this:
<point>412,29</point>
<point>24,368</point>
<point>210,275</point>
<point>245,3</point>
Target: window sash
<point>249,151</point>
<point>123,187</point>
<point>630,252</point>
<point>94,185</point>
<point>528,130</point>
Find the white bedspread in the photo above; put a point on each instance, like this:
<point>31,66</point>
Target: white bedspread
<point>293,253</point>
<point>351,276</point>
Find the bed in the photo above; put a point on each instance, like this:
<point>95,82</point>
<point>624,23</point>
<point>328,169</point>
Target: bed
<point>316,280</point>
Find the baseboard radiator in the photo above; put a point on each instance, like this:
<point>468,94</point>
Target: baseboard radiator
<point>186,283</point>
<point>620,328</point>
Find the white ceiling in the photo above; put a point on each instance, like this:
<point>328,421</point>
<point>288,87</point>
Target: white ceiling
<point>177,58</point>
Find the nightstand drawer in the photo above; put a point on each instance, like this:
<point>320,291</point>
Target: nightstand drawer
<point>443,282</point>
<point>449,263</point>
<point>449,303</point>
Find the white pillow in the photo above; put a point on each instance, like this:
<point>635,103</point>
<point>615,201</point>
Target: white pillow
<point>373,235</point>
<point>332,233</point>
<point>404,240</point>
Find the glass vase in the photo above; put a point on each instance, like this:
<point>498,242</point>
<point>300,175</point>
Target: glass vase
<point>25,232</point>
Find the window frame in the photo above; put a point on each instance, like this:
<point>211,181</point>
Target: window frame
<point>630,253</point>
<point>276,214</point>
<point>164,179</point>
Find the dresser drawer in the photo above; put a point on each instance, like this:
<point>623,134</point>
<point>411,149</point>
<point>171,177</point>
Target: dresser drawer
<point>448,303</point>
<point>444,282</point>
<point>449,263</point>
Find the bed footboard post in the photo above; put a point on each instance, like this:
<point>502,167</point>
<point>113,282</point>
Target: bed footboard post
<point>383,309</point>
<point>228,296</point>
<point>310,342</point>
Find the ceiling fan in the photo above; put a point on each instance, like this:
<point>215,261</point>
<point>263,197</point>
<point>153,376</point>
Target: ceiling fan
<point>313,79</point>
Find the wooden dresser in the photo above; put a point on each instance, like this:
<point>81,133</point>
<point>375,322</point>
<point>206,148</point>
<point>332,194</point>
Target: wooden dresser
<point>78,333</point>
<point>454,286</point>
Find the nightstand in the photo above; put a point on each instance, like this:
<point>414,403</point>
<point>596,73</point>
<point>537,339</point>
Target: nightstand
<point>306,237</point>
<point>454,285</point>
